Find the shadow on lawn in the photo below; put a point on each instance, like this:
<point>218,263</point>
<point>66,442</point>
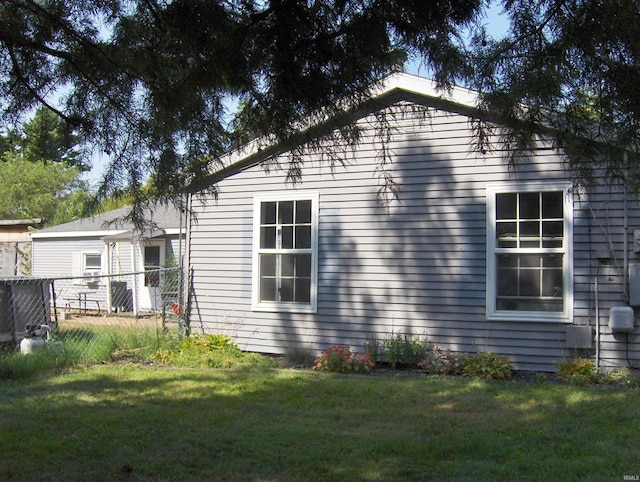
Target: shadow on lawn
<point>148,424</point>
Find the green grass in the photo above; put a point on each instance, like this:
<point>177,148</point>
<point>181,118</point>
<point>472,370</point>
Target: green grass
<point>128,422</point>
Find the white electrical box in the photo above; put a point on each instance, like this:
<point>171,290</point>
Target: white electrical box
<point>621,319</point>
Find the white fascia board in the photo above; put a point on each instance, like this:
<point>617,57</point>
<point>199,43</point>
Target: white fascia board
<point>76,234</point>
<point>427,88</point>
<point>174,231</point>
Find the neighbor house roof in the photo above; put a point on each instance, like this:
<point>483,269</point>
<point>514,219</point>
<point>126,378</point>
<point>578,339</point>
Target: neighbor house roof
<point>165,218</point>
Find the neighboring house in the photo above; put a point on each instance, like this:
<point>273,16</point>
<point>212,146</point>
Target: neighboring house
<point>15,245</point>
<point>473,253</point>
<point>109,266</point>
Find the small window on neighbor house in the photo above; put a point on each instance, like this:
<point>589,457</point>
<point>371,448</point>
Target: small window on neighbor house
<point>529,256</point>
<point>92,263</point>
<point>285,252</point>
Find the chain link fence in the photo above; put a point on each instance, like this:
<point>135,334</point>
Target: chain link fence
<point>86,313</point>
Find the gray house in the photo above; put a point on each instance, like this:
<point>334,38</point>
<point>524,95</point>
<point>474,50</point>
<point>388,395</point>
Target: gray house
<point>474,254</point>
<point>104,266</point>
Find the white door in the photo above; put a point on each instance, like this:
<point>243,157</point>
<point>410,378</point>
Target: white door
<point>153,259</point>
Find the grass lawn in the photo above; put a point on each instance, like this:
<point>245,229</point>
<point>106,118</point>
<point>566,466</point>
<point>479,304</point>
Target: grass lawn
<point>128,422</point>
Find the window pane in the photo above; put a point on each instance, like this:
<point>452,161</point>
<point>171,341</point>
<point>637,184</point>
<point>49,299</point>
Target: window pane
<point>287,289</point>
<point>288,265</point>
<point>506,206</point>
<point>303,237</point>
<point>529,282</point>
<point>285,212</point>
<point>268,237</point>
<point>552,234</point>
<point>268,264</point>
<point>303,212</point>
<point>152,256</point>
<point>530,234</point>
<point>268,289</point>
<point>552,283</point>
<point>303,290</point>
<point>528,261</point>
<point>92,262</point>
<point>507,282</point>
<point>268,213</point>
<point>529,205</point>
<point>506,234</point>
<point>303,266</point>
<point>287,237</point>
<point>552,204</point>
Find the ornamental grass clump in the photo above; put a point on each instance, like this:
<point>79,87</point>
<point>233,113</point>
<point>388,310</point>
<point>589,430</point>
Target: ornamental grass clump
<point>343,359</point>
<point>442,362</point>
<point>578,371</point>
<point>487,366</point>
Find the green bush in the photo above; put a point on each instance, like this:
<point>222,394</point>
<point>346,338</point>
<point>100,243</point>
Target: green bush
<point>400,349</point>
<point>487,366</point>
<point>213,351</point>
<point>578,371</point>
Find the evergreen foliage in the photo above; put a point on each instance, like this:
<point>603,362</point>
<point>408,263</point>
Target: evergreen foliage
<point>150,82</point>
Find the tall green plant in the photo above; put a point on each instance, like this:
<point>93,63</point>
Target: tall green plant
<point>400,349</point>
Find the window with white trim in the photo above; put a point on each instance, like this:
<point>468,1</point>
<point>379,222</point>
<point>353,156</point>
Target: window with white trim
<point>529,252</point>
<point>91,264</point>
<point>285,252</point>
<point>86,266</point>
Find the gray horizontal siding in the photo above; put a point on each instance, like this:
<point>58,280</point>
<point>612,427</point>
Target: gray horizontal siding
<point>417,266</point>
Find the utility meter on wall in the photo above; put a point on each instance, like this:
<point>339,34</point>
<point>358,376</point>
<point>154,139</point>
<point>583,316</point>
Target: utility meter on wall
<point>636,240</point>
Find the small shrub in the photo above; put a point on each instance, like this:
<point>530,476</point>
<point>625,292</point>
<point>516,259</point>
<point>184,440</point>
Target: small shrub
<point>442,362</point>
<point>487,366</point>
<point>620,377</point>
<point>212,351</point>
<point>400,349</point>
<point>344,359</point>
<point>208,343</point>
<point>578,371</point>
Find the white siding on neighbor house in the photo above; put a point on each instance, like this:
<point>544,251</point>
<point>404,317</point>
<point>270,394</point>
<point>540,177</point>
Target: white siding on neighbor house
<point>416,267</point>
<point>55,257</point>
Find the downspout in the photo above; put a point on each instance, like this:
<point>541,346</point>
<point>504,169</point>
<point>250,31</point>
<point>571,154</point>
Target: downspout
<point>186,287</point>
<point>625,277</point>
<point>109,293</point>
<point>597,318</point>
<point>180,260</point>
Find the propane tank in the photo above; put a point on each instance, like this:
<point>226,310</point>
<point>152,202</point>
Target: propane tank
<point>30,345</point>
<point>35,342</point>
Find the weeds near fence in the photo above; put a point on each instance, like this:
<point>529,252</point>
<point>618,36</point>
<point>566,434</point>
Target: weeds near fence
<point>87,344</point>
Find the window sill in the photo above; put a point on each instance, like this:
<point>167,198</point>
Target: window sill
<point>529,317</point>
<point>284,308</point>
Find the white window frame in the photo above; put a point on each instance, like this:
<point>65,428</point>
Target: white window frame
<point>83,275</point>
<point>86,271</point>
<point>285,306</point>
<point>566,250</point>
